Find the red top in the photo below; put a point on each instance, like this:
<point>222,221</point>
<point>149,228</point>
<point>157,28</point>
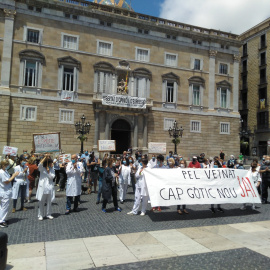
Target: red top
<point>33,170</point>
<point>197,165</point>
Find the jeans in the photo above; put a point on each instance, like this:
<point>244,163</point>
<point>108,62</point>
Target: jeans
<point>22,190</point>
<point>62,181</point>
<point>99,190</point>
<point>133,180</point>
<point>212,205</point>
<point>265,186</point>
<point>179,206</point>
<point>69,199</point>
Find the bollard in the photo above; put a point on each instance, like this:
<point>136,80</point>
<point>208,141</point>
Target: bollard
<point>3,250</point>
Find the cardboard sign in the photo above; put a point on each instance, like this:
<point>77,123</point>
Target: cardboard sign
<point>200,186</point>
<point>47,142</point>
<point>157,148</point>
<point>106,146</point>
<point>65,158</point>
<point>8,150</point>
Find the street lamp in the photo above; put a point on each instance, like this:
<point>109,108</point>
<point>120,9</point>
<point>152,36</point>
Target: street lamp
<point>175,132</point>
<point>82,128</point>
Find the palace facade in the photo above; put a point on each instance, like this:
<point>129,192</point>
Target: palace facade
<point>130,74</point>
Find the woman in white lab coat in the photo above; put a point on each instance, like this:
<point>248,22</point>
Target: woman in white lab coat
<point>20,184</point>
<point>141,192</point>
<point>124,179</point>
<point>5,191</point>
<point>74,170</point>
<point>45,191</point>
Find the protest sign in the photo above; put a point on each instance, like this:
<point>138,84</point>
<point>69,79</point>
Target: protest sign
<point>8,150</point>
<point>157,148</point>
<point>200,186</point>
<point>46,142</point>
<point>65,158</point>
<point>106,146</point>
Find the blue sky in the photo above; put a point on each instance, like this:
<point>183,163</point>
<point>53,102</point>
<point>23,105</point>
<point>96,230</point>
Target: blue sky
<point>149,7</point>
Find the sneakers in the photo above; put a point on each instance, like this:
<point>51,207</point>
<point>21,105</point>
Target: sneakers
<point>130,213</point>
<point>153,209</point>
<point>3,225</point>
<point>253,207</point>
<point>29,201</point>
<point>40,218</point>
<point>118,209</point>
<point>220,210</point>
<point>212,210</point>
<point>97,202</point>
<point>67,212</point>
<point>13,210</point>
<point>104,210</point>
<point>142,214</point>
<point>24,209</point>
<point>121,201</point>
<point>159,209</point>
<point>50,217</point>
<point>243,208</point>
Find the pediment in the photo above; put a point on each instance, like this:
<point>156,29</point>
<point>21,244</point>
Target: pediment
<point>104,66</point>
<point>224,84</point>
<point>142,72</point>
<point>171,77</point>
<point>32,55</point>
<point>69,61</point>
<point>196,80</point>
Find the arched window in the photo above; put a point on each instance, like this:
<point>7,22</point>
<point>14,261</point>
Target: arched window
<point>104,77</point>
<point>142,78</point>
<point>223,94</point>
<point>196,88</point>
<point>31,63</point>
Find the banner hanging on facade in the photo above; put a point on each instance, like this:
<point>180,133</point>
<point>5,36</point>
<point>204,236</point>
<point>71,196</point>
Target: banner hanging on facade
<point>123,101</point>
<point>67,95</point>
<point>200,186</point>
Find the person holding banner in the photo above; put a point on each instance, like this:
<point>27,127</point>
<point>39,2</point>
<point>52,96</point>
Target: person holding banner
<point>20,184</point>
<point>141,192</point>
<point>45,190</point>
<point>5,191</point>
<point>182,165</point>
<point>74,170</point>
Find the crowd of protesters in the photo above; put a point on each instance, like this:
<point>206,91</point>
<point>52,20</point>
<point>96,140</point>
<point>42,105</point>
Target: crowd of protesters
<point>106,177</point>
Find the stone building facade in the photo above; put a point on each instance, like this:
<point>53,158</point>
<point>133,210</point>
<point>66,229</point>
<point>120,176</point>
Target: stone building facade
<point>130,74</point>
<point>254,88</point>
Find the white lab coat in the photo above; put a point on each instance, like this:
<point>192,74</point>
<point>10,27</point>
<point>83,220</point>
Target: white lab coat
<point>124,176</point>
<point>141,183</point>
<point>74,180</point>
<point>45,184</point>
<point>20,179</point>
<point>5,189</point>
<point>151,164</point>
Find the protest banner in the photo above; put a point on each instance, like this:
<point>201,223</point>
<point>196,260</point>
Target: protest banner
<point>200,186</point>
<point>106,146</point>
<point>157,148</point>
<point>8,150</point>
<point>46,142</point>
<point>65,158</point>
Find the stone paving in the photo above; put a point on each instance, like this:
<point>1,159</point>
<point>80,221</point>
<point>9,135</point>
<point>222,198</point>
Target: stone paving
<point>24,227</point>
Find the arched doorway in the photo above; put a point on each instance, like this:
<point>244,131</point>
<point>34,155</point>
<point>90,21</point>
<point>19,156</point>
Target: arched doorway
<point>120,132</point>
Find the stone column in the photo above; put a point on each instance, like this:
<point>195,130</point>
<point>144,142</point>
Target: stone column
<point>145,124</point>
<point>236,60</point>
<point>135,139</point>
<point>211,94</point>
<point>107,126</point>
<point>96,130</point>
<point>7,47</point>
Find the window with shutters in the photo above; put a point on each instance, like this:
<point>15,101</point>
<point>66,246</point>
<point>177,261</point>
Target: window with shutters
<point>223,68</point>
<point>171,59</point>
<point>66,116</point>
<point>224,128</point>
<point>196,97</point>
<point>104,48</point>
<point>168,123</point>
<point>70,41</point>
<point>169,92</point>
<point>33,35</point>
<point>28,113</point>
<point>68,77</point>
<point>142,54</point>
<point>30,78</point>
<point>195,126</point>
<point>104,82</point>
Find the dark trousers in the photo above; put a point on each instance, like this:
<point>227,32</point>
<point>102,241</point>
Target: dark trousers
<point>57,177</point>
<point>132,178</point>
<point>114,195</point>
<point>265,186</point>
<point>69,199</point>
<point>62,181</point>
<point>22,190</point>
<point>179,206</point>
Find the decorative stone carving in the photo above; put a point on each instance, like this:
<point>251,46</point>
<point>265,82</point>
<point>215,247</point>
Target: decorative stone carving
<point>122,88</point>
<point>212,54</point>
<point>123,65</point>
<point>236,57</point>
<point>10,13</point>
<point>68,60</point>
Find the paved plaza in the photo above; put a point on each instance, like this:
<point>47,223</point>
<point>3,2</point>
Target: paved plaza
<point>160,240</point>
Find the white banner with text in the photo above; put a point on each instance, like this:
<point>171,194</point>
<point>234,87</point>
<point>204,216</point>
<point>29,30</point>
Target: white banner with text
<point>123,101</point>
<point>200,186</point>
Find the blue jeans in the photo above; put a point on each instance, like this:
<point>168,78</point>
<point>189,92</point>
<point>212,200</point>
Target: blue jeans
<point>99,190</point>
<point>22,190</point>
<point>68,205</point>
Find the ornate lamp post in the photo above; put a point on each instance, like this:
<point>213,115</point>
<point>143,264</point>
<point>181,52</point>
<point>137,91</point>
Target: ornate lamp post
<point>82,128</point>
<point>175,132</point>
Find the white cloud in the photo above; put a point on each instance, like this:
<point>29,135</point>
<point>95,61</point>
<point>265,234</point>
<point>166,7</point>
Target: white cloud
<point>234,16</point>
